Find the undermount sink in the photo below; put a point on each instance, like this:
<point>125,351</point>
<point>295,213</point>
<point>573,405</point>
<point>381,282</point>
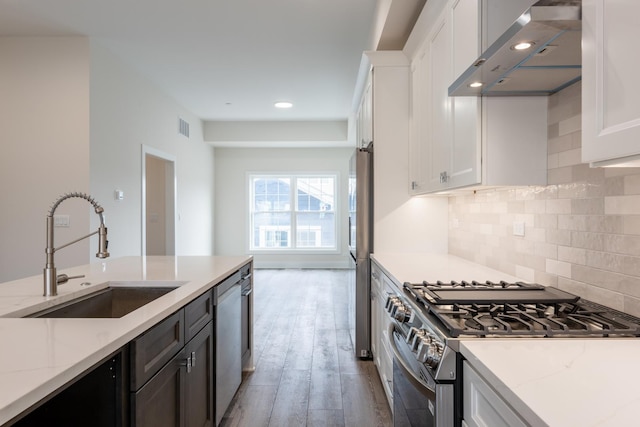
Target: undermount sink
<point>117,300</point>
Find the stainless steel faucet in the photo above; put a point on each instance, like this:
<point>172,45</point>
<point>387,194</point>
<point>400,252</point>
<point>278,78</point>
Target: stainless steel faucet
<point>51,279</point>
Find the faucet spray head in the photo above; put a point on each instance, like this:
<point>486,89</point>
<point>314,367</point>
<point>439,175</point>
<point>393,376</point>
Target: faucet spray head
<point>103,243</point>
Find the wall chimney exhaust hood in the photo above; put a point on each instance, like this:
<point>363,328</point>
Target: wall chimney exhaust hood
<point>551,62</point>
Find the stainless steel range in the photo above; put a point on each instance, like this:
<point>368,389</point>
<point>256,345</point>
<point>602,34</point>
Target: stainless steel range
<point>430,319</point>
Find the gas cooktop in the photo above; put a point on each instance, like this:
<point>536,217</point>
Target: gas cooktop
<point>518,309</point>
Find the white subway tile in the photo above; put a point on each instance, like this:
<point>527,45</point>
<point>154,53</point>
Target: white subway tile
<point>622,205</point>
<point>572,124</point>
<point>525,273</point>
<point>570,157</point>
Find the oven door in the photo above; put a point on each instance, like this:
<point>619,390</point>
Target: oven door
<point>417,399</point>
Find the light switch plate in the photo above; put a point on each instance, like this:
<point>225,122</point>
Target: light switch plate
<point>61,221</point>
<point>518,228</point>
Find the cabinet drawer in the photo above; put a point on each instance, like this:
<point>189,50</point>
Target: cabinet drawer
<point>197,314</point>
<point>153,349</point>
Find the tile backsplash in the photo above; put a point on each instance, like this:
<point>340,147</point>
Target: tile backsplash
<point>582,230</point>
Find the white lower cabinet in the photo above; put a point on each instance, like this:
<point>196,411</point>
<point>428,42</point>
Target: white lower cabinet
<point>380,289</point>
<point>482,406</point>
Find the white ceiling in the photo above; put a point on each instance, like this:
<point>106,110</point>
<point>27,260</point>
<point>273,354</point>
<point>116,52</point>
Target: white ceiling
<point>223,59</point>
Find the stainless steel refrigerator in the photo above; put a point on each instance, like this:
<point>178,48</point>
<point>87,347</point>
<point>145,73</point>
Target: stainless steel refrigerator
<point>360,247</point>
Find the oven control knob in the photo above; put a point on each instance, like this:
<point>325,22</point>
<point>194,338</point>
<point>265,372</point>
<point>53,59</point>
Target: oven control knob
<point>391,301</point>
<point>434,354</point>
<point>417,339</point>
<point>412,334</point>
<point>422,351</point>
<point>402,313</point>
<point>393,307</point>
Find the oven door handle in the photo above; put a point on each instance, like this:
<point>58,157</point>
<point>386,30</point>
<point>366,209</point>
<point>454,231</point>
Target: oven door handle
<point>417,382</point>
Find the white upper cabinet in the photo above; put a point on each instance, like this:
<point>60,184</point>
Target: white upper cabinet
<point>445,132</point>
<point>365,115</point>
<point>465,142</point>
<point>610,90</point>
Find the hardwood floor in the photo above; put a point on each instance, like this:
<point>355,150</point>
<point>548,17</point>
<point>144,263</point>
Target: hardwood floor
<point>306,370</point>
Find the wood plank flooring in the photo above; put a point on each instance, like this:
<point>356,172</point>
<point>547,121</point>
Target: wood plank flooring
<point>306,370</point>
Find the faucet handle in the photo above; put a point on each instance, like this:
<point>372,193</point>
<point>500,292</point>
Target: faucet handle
<point>63,278</point>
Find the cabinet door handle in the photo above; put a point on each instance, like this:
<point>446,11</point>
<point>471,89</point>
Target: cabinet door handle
<point>188,363</point>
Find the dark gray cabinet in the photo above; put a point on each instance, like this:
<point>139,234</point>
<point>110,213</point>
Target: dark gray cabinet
<point>198,313</point>
<point>153,349</point>
<point>97,398</point>
<point>172,368</point>
<point>199,391</point>
<point>160,401</point>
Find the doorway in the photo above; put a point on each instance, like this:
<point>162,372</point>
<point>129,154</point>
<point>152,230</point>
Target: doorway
<point>158,202</point>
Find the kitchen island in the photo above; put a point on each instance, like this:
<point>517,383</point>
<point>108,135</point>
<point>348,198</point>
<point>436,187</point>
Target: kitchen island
<point>41,355</point>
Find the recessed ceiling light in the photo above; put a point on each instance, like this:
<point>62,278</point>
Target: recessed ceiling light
<point>475,84</point>
<point>283,104</point>
<point>522,45</point>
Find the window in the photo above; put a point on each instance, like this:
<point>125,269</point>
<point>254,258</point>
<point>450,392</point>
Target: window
<point>295,212</point>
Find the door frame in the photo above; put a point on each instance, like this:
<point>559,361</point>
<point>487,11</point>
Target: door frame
<point>147,150</point>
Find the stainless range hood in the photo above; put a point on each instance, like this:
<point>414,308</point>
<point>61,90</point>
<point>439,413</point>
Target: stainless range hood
<point>553,62</point>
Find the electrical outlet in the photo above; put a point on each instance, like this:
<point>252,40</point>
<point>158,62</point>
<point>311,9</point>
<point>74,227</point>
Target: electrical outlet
<point>518,228</point>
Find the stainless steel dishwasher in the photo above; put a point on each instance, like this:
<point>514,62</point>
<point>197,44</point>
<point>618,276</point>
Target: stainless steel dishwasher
<point>227,300</point>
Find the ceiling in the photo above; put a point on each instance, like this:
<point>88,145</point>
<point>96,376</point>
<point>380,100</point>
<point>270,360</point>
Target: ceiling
<point>224,60</point>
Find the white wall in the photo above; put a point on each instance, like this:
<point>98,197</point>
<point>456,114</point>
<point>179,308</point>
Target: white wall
<point>128,111</point>
<point>232,200</point>
<point>44,117</point>
<point>74,118</point>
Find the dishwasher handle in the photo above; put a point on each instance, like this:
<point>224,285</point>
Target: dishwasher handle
<point>417,382</point>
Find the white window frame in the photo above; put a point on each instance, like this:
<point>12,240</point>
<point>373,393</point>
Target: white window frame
<point>293,212</point>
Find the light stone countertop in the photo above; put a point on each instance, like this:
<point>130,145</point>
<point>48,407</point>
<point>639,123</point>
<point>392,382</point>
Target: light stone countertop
<point>38,356</point>
<point>548,381</point>
<point>563,382</point>
<point>415,268</point>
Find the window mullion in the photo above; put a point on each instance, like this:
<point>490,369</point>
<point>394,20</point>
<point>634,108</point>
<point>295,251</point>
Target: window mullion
<point>294,212</point>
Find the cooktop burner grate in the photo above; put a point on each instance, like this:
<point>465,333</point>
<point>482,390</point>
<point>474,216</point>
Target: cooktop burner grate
<point>544,312</point>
